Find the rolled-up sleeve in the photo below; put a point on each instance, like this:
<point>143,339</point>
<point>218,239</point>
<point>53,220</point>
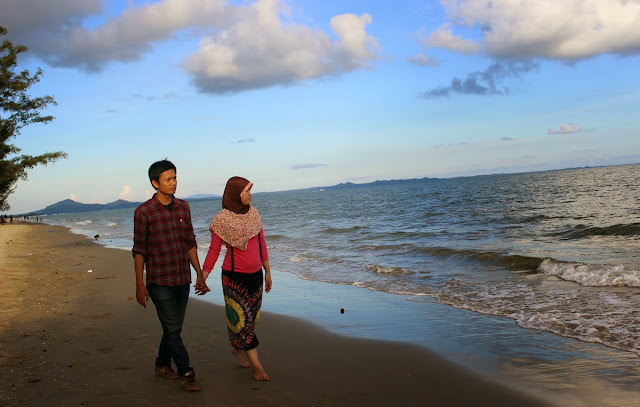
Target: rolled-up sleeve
<point>140,233</point>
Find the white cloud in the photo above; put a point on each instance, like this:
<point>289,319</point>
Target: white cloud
<point>262,50</point>
<point>126,193</point>
<point>566,128</point>
<point>73,197</point>
<point>565,30</point>
<point>517,34</point>
<point>354,47</point>
<point>443,38</point>
<point>148,193</point>
<point>254,45</point>
<point>29,15</point>
<point>58,35</point>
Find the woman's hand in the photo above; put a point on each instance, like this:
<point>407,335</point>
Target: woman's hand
<point>267,275</point>
<point>267,281</point>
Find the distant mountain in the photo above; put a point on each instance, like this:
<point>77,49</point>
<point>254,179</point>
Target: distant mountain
<point>349,185</point>
<point>69,206</point>
<point>202,197</point>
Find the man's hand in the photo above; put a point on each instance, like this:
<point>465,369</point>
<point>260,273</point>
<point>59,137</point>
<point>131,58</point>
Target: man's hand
<point>142,295</point>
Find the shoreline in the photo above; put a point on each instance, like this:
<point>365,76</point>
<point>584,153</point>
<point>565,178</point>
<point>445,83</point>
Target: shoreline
<point>71,334</point>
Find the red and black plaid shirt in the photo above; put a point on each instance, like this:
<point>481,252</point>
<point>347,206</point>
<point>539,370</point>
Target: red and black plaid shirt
<point>164,236</point>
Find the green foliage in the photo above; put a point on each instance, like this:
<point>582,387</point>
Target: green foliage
<point>17,110</point>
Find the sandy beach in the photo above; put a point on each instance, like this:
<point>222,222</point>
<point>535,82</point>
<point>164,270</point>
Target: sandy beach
<point>72,335</point>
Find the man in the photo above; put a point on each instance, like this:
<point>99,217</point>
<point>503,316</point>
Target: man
<point>164,244</point>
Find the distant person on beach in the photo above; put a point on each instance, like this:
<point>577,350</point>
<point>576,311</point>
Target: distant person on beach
<point>164,244</point>
<point>239,226</point>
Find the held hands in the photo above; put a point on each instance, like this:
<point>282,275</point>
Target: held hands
<point>201,285</point>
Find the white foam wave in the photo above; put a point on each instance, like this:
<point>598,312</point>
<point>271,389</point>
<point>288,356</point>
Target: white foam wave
<point>388,270</point>
<point>592,275</point>
<point>408,290</point>
<point>84,222</point>
<point>607,318</point>
<point>299,258</point>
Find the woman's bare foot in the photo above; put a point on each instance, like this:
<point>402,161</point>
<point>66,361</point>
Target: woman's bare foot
<point>240,355</point>
<point>258,371</point>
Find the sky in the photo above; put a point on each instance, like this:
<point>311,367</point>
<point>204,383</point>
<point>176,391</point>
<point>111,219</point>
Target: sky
<point>299,93</point>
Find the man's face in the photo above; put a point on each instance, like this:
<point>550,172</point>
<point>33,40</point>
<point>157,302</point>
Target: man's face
<point>167,183</point>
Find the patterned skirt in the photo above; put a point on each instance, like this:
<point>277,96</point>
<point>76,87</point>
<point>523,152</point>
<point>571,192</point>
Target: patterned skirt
<point>242,299</point>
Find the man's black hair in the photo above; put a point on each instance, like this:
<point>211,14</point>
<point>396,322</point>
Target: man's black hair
<point>158,168</point>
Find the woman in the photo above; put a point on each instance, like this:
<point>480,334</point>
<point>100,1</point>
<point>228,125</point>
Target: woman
<point>239,226</point>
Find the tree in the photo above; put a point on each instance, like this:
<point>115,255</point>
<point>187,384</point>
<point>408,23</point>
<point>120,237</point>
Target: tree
<point>17,110</point>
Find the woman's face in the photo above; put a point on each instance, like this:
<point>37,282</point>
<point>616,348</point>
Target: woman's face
<point>245,195</point>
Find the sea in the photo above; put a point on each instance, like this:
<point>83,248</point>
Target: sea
<point>536,275</point>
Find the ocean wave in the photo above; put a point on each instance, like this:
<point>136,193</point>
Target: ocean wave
<point>533,219</point>
<point>299,258</point>
<point>392,271</point>
<point>509,261</point>
<point>276,237</point>
<point>584,231</point>
<point>607,318</point>
<point>334,230</point>
<point>412,292</point>
<point>395,248</point>
<point>403,234</point>
<point>592,275</point>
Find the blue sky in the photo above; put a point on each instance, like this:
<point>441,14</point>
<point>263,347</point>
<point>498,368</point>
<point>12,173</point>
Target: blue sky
<point>299,93</point>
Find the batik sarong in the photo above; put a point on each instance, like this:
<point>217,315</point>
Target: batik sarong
<point>242,299</point>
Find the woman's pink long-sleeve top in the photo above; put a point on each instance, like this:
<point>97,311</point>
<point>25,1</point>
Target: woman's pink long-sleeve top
<point>244,261</point>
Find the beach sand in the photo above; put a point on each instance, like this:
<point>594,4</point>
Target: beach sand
<point>72,334</point>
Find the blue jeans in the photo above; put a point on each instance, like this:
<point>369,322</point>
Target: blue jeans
<point>171,304</point>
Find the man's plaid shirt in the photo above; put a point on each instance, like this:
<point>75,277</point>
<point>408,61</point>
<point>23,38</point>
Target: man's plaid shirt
<point>164,236</point>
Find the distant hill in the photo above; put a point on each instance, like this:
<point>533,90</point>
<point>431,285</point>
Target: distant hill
<point>69,206</point>
<point>348,185</point>
<point>202,197</point>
